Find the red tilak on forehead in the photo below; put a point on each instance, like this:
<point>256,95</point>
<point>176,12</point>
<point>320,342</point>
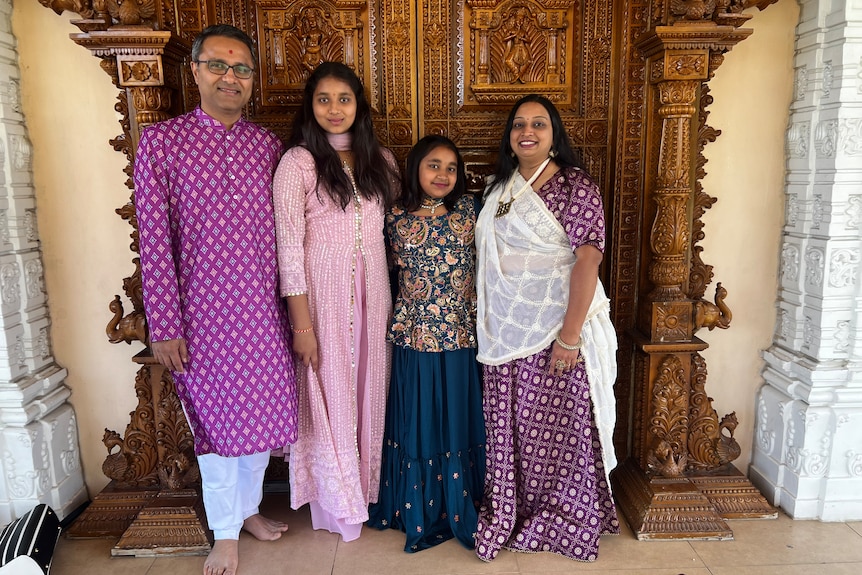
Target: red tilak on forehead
<point>230,51</point>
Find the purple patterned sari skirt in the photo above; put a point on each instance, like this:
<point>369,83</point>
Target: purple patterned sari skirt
<point>545,486</point>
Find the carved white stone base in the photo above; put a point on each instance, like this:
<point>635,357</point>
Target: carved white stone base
<point>807,458</point>
<point>41,461</point>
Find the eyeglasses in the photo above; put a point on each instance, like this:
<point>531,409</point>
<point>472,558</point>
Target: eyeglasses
<point>241,71</point>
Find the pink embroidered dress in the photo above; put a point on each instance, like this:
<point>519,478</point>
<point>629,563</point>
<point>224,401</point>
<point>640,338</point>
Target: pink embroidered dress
<point>203,200</point>
<point>338,258</point>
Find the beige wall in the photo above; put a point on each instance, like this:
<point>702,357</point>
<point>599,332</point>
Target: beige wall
<point>752,91</point>
<point>68,103</point>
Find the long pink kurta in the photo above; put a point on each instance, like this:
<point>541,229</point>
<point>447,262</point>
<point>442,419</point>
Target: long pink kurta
<point>203,199</point>
<point>335,461</point>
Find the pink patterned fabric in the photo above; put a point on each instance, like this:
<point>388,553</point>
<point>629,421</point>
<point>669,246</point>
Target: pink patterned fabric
<point>545,484</point>
<point>203,200</point>
<point>321,248</point>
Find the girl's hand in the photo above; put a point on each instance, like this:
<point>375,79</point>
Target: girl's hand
<point>562,360</point>
<point>305,347</point>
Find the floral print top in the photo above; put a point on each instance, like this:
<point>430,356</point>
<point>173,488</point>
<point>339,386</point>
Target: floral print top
<point>436,260</point>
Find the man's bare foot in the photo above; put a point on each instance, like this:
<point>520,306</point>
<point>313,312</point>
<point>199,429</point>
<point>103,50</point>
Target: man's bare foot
<point>223,558</point>
<point>264,528</point>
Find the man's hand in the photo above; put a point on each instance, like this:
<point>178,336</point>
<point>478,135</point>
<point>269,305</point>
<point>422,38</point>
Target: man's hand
<point>171,353</point>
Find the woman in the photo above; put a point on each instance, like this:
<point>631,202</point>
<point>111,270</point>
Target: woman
<point>547,346</point>
<point>434,443</point>
<point>331,191</point>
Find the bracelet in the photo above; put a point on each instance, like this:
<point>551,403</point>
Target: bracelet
<point>568,347</point>
<point>306,330</point>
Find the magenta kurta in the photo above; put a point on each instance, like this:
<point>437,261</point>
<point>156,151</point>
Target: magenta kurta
<point>322,249</point>
<point>203,199</point>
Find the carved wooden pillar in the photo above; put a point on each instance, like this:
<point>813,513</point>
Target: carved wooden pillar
<point>679,481</point>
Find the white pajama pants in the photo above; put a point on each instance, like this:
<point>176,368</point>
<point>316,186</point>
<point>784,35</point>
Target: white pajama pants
<point>232,490</point>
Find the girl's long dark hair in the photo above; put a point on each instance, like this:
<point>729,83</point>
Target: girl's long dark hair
<point>566,156</point>
<point>373,174</point>
<point>412,198</point>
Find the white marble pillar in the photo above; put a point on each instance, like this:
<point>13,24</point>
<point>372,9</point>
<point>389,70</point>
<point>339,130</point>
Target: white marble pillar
<point>39,454</point>
<point>807,455</point>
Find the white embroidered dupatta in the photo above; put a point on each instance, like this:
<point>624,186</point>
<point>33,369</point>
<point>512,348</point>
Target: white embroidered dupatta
<point>524,264</point>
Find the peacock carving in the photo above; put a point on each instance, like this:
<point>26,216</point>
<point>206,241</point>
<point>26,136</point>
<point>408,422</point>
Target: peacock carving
<point>667,461</point>
<point>710,442</point>
<point>128,466</point>
<point>179,470</point>
<point>693,9</point>
<point>129,12</point>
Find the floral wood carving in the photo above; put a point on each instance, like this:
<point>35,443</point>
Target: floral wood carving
<point>700,274</point>
<point>174,440</point>
<point>723,12</point>
<point>670,231</point>
<point>668,424</point>
<point>710,442</point>
<point>158,448</point>
<point>134,462</point>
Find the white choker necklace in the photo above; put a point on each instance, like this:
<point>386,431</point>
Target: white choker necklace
<point>431,204</point>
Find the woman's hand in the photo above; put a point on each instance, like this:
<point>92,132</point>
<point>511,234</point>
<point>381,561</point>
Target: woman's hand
<point>562,360</point>
<point>305,347</point>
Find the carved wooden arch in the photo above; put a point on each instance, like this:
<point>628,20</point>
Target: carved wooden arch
<point>631,78</point>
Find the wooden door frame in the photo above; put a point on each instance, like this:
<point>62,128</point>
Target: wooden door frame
<point>668,438</point>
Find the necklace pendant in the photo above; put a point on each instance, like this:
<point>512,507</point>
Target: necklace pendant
<point>503,208</point>
<point>432,206</point>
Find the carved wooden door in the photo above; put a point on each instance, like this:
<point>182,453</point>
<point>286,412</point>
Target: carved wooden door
<point>455,67</point>
<point>451,67</point>
<point>630,78</point>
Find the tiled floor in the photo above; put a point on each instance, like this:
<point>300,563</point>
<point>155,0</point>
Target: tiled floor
<point>766,547</point>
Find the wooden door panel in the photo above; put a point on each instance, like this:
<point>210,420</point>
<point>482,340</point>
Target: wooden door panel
<point>477,57</point>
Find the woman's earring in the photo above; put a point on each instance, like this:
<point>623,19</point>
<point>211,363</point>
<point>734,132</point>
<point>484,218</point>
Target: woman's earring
<point>512,154</point>
<point>552,154</point>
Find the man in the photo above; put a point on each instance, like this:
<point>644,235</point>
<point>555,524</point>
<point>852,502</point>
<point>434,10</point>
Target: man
<point>203,197</point>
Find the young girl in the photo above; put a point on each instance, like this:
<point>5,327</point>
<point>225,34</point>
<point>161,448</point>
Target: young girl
<point>331,191</point>
<point>434,449</point>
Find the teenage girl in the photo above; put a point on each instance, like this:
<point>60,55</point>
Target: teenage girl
<point>331,191</point>
<point>434,444</point>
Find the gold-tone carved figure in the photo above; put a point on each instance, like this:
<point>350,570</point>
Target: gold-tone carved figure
<point>312,34</point>
<point>517,40</point>
<point>518,49</point>
<point>297,42</point>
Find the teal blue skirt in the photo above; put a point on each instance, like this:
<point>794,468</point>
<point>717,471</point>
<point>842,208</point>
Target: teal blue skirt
<point>433,467</point>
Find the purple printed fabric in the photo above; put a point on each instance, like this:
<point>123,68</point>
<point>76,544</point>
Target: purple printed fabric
<point>203,199</point>
<point>545,487</point>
